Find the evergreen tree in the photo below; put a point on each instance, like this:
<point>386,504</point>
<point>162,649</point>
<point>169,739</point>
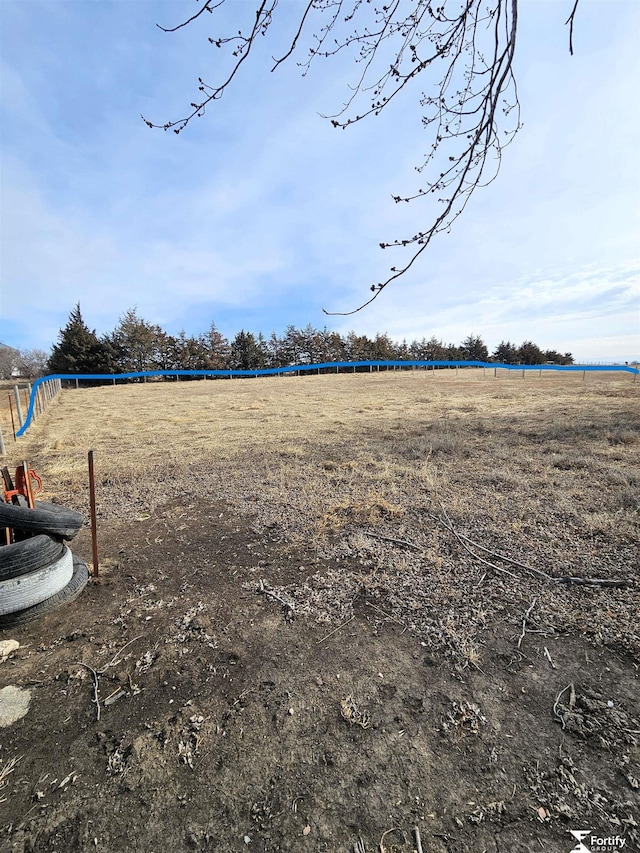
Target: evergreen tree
<point>434,350</point>
<point>246,352</point>
<point>311,345</point>
<point>402,350</point>
<point>506,353</point>
<point>191,353</point>
<point>554,357</point>
<point>78,350</point>
<point>530,353</point>
<point>453,353</point>
<point>383,348</point>
<point>292,347</point>
<point>216,348</point>
<point>335,346</point>
<point>428,350</point>
<point>357,347</point>
<point>136,343</point>
<point>474,349</point>
<point>167,352</point>
<point>275,351</point>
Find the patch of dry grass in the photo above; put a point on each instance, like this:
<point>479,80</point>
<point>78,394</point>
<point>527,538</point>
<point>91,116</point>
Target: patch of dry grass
<point>6,770</point>
<point>543,469</point>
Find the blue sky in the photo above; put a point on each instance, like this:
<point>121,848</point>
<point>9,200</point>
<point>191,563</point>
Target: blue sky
<point>260,214</point>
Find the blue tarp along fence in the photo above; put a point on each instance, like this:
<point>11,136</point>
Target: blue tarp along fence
<point>300,368</point>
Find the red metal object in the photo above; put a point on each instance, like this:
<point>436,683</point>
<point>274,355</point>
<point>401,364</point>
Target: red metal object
<point>13,423</point>
<point>7,484</point>
<point>23,485</point>
<point>23,472</point>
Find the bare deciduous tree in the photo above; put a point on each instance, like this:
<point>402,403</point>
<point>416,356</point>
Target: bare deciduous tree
<point>468,101</point>
<point>33,363</point>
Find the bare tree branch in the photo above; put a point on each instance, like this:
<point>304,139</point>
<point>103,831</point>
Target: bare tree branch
<point>570,21</point>
<point>241,52</point>
<point>469,100</point>
<point>206,8</point>
<point>467,169</point>
<point>295,39</point>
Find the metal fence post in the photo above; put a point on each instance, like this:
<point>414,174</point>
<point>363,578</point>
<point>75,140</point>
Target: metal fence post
<point>16,394</point>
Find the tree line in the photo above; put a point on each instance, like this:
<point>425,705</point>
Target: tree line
<point>136,345</point>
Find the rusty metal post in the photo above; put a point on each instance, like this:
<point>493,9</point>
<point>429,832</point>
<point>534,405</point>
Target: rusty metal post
<point>94,526</point>
<point>27,484</point>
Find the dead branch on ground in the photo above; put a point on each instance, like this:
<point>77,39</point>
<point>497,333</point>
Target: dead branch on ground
<point>404,542</point>
<point>572,702</point>
<point>95,674</point>
<point>383,849</point>
<point>96,677</point>
<point>335,631</point>
<point>446,522</point>
<point>524,621</point>
<point>264,589</point>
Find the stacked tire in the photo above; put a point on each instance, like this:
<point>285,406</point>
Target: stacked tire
<point>38,572</point>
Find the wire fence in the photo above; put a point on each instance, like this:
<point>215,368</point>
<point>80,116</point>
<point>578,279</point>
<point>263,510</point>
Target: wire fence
<point>47,387</point>
<point>32,399</point>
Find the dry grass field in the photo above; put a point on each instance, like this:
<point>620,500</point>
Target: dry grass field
<point>365,594</point>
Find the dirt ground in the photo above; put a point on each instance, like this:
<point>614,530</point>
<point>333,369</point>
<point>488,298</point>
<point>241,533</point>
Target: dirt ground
<point>347,629</point>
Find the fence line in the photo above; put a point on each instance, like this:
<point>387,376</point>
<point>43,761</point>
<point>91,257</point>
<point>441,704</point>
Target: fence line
<point>43,392</point>
<point>53,384</point>
<point>34,404</point>
<point>39,395</point>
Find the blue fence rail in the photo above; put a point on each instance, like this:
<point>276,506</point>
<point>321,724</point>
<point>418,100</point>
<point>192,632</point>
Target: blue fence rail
<point>307,368</point>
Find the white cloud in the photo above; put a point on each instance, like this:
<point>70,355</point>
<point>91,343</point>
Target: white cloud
<point>554,312</point>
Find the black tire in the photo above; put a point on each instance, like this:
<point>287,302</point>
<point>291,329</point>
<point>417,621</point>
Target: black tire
<point>20,558</point>
<point>45,518</point>
<point>71,591</point>
<point>26,591</point>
